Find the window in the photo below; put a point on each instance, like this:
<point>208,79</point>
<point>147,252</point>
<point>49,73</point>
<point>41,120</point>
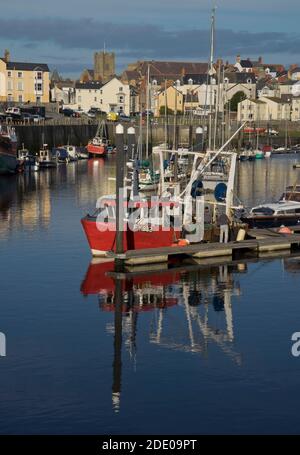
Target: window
<point>101,92</point>
<point>38,87</point>
<point>9,73</point>
<point>121,89</point>
<point>20,85</point>
<point>10,85</point>
<point>10,98</point>
<point>39,75</point>
<point>20,74</point>
<point>121,99</point>
<point>95,91</point>
<point>20,98</point>
<point>95,98</point>
<point>101,101</point>
<point>90,91</point>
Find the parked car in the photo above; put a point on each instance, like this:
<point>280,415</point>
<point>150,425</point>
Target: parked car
<point>67,112</point>
<point>123,118</point>
<point>37,118</point>
<point>27,117</point>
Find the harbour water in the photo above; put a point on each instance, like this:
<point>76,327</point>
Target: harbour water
<point>191,349</point>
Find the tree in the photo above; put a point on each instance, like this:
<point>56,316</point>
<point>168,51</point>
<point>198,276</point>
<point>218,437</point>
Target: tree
<point>162,111</point>
<point>236,99</point>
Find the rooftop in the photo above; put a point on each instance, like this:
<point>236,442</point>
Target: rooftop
<point>89,85</point>
<point>22,66</point>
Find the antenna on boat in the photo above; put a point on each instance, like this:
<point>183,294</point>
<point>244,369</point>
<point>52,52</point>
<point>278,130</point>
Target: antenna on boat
<point>211,71</point>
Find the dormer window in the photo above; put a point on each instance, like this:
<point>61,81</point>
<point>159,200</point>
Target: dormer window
<point>190,81</point>
<point>249,81</point>
<point>178,83</point>
<point>226,80</point>
<point>154,82</point>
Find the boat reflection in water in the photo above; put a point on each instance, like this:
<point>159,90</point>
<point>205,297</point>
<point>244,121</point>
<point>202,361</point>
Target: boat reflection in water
<point>188,308</point>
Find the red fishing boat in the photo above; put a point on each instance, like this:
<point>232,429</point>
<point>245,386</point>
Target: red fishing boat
<point>99,144</point>
<point>101,234</point>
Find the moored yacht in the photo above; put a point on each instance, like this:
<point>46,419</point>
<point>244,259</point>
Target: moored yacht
<point>271,215</point>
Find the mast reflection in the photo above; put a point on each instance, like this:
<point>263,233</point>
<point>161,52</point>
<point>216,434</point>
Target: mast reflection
<point>189,308</point>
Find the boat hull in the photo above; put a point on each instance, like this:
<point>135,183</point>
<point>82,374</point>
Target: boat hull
<point>8,164</point>
<point>104,240</point>
<point>271,222</point>
<point>99,150</point>
<point>8,155</point>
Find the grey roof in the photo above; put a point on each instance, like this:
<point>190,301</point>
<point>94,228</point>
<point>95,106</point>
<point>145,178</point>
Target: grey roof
<point>89,85</point>
<point>197,79</point>
<point>277,100</point>
<point>246,64</point>
<point>22,66</point>
<point>240,78</point>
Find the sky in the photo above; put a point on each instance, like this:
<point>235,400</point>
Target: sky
<point>66,33</point>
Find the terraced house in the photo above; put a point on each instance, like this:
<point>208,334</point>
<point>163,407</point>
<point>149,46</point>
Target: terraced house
<point>23,82</point>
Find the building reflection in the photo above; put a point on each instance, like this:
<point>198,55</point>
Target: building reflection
<point>186,308</point>
<point>25,202</point>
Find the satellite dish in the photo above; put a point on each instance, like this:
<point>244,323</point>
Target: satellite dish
<point>197,188</point>
<point>220,192</point>
<point>296,89</point>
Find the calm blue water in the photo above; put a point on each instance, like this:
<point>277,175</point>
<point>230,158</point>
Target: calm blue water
<point>204,350</point>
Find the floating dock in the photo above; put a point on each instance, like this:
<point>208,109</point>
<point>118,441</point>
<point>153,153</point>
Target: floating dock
<point>261,244</point>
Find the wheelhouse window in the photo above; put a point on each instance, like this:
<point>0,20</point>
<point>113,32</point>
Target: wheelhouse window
<point>263,211</point>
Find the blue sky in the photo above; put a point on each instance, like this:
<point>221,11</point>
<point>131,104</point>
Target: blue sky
<point>65,34</point>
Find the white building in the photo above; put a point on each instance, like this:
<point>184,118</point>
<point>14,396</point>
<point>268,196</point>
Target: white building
<point>264,109</point>
<point>63,92</point>
<point>87,95</point>
<point>295,114</point>
<point>252,110</point>
<point>114,96</point>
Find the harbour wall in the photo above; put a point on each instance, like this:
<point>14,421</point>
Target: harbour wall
<point>34,136</point>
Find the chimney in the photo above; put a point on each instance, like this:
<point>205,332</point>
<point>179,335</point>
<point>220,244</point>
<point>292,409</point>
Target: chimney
<point>260,60</point>
<point>238,59</point>
<point>6,55</point>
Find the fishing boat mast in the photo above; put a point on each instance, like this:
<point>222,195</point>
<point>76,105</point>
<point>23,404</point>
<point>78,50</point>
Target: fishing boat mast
<point>211,72</point>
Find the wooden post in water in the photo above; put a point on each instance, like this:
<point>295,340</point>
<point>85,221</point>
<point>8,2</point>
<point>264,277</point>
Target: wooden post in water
<point>117,363</point>
<point>131,142</point>
<point>120,164</point>
<point>198,147</point>
<point>133,153</point>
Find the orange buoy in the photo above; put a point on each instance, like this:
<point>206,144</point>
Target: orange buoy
<point>181,242</point>
<point>285,230</point>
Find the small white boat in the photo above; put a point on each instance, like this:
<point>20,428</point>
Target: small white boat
<point>45,158</point>
<point>72,152</point>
